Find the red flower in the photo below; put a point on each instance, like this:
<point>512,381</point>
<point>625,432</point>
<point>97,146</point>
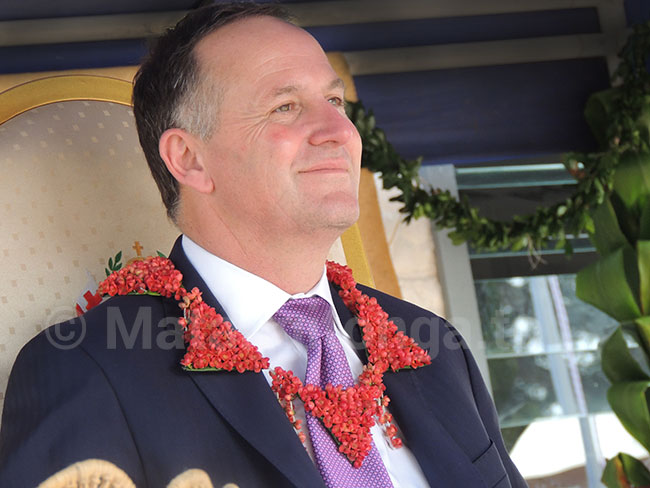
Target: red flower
<point>213,344</point>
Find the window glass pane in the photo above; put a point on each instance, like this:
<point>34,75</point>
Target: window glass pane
<point>511,326</point>
<point>594,381</point>
<point>548,385</point>
<point>523,389</point>
<point>588,324</point>
<point>507,316</point>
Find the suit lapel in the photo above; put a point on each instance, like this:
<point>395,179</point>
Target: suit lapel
<point>247,403</point>
<point>441,459</point>
<point>346,317</point>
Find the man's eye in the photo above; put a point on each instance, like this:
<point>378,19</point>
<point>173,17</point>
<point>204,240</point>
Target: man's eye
<point>339,102</point>
<point>284,108</point>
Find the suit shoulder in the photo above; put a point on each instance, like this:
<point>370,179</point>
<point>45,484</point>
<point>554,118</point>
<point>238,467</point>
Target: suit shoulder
<point>107,325</point>
<point>396,307</point>
<point>129,306</point>
<point>430,331</point>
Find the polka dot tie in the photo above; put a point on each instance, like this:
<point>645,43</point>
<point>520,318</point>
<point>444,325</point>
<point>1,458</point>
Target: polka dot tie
<point>309,321</point>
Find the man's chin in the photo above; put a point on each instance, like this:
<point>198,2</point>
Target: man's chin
<point>330,216</point>
<point>339,226</point>
<point>344,216</point>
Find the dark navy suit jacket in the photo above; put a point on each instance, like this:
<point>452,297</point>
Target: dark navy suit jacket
<point>108,385</point>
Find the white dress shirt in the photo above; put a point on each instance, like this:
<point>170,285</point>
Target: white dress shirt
<point>250,303</point>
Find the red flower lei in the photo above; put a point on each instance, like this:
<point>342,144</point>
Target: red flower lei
<point>214,345</point>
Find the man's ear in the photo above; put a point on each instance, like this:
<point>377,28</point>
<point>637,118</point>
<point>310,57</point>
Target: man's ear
<point>180,151</point>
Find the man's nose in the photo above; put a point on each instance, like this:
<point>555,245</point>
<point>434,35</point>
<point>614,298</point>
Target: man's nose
<point>330,125</point>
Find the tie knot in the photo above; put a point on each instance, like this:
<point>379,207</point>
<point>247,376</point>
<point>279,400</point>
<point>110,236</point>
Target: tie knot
<point>305,319</point>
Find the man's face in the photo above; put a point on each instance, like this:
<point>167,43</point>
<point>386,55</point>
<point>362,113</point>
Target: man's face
<point>284,157</point>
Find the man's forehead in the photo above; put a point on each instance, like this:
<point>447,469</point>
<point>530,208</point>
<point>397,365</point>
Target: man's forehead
<point>252,34</point>
<point>288,60</point>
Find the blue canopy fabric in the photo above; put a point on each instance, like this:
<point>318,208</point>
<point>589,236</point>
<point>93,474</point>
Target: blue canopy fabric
<point>491,113</point>
<point>460,116</point>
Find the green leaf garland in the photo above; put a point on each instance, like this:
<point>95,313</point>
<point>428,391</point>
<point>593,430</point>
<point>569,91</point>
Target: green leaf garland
<point>620,119</point>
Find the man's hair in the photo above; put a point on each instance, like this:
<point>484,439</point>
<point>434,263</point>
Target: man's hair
<point>171,91</point>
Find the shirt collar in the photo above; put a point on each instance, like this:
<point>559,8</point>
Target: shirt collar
<point>248,300</point>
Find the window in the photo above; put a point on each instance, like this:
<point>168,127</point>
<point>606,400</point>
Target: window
<point>540,341</point>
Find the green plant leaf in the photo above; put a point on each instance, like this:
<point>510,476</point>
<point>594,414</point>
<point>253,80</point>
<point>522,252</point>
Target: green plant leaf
<point>118,257</point>
<point>627,217</point>
<point>568,248</point>
<point>643,122</point>
<point>597,113</point>
<point>611,284</point>
<point>589,224</point>
<point>607,236</point>
<point>610,476</point>
<point>643,256</point>
<point>642,330</point>
<point>635,470</point>
<point>632,178</point>
<point>520,243</point>
<point>644,220</point>
<point>617,361</point>
<point>457,238</point>
<point>629,402</point>
<point>160,254</point>
<point>624,465</point>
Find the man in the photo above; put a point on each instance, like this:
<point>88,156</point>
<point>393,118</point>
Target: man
<point>242,121</point>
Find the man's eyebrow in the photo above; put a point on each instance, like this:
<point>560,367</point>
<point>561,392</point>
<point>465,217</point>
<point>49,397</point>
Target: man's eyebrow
<point>284,90</point>
<point>338,83</point>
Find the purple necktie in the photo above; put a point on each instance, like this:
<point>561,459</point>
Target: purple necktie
<point>309,320</point>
